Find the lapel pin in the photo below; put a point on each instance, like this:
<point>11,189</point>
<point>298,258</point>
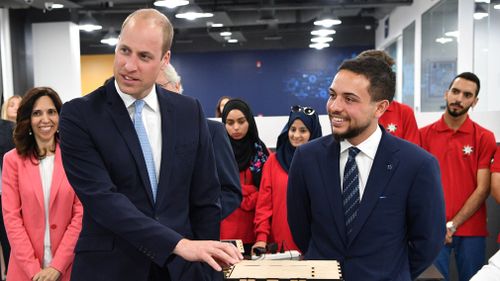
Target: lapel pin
<point>389,166</point>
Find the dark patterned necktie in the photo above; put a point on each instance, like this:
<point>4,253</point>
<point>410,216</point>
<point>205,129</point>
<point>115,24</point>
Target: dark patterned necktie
<point>350,192</point>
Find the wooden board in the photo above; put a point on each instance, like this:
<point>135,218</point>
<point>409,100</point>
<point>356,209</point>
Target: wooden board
<point>267,270</point>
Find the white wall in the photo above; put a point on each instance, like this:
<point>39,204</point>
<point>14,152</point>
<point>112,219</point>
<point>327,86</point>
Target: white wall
<point>6,52</point>
<point>56,58</point>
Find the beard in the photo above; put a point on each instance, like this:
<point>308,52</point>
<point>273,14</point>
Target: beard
<point>352,132</point>
<point>456,113</point>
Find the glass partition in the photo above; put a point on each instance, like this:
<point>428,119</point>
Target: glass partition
<point>439,53</point>
<point>486,54</point>
<point>409,64</point>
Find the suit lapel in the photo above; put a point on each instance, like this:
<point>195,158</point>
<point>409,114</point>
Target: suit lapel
<point>168,129</point>
<point>119,114</point>
<point>57,176</point>
<point>331,182</point>
<point>384,165</point>
<point>33,172</point>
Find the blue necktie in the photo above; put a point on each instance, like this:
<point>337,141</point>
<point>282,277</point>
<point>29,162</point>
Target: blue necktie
<point>350,193</point>
<point>145,146</point>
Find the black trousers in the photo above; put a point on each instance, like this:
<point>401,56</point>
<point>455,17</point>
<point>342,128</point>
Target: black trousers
<point>157,273</point>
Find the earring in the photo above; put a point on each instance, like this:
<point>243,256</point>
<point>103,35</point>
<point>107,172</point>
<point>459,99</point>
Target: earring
<point>30,133</point>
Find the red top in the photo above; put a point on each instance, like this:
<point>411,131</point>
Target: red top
<point>271,223</point>
<point>460,154</point>
<point>495,165</point>
<point>399,120</point>
<point>239,224</point>
<point>495,168</point>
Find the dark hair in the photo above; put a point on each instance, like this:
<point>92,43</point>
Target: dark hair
<point>24,141</point>
<point>378,54</point>
<point>218,113</point>
<point>380,75</point>
<point>468,76</point>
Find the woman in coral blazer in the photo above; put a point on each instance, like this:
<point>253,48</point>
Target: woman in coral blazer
<point>41,211</point>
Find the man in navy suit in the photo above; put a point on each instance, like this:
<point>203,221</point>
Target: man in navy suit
<point>140,159</point>
<point>227,168</point>
<point>361,196</point>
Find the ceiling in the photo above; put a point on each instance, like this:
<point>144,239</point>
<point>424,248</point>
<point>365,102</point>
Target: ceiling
<point>258,24</point>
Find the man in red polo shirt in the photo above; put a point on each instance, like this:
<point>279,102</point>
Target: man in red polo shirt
<point>398,119</point>
<point>464,151</point>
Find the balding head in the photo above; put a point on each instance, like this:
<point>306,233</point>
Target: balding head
<point>155,18</point>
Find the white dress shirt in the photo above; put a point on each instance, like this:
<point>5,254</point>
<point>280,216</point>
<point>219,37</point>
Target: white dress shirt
<point>364,159</point>
<point>489,272</point>
<point>46,171</point>
<point>151,117</point>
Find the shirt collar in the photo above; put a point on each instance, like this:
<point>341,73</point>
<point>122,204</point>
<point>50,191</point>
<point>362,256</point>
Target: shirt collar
<point>466,127</point>
<point>368,147</point>
<point>151,99</point>
<point>391,106</point>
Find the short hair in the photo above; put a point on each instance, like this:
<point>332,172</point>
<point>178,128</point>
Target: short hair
<point>380,75</point>
<point>171,74</point>
<point>160,19</point>
<point>26,143</point>
<point>6,104</point>
<point>468,76</point>
<point>379,54</point>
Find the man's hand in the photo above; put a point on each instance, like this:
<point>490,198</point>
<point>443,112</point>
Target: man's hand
<point>47,274</point>
<point>258,244</point>
<point>449,237</point>
<point>215,253</point>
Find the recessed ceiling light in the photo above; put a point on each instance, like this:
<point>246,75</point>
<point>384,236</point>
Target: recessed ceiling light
<point>319,46</point>
<point>57,6</point>
<point>232,41</point>
<point>171,4</point>
<point>323,32</point>
<point>452,33</point>
<point>321,39</point>
<point>444,40</point>
<point>225,33</point>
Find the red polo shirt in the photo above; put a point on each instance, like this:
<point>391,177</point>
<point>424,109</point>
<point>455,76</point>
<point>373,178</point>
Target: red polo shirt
<point>399,120</point>
<point>495,165</point>
<point>461,154</point>
<point>495,168</point>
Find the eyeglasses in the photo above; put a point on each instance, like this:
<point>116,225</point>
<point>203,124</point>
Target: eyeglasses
<point>307,110</point>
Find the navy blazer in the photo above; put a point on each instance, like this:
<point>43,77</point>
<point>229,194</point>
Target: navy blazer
<point>400,226</point>
<point>123,231</point>
<point>227,168</point>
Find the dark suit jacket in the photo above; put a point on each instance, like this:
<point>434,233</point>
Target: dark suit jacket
<point>400,226</point>
<point>6,140</point>
<point>6,144</point>
<point>227,168</point>
<point>123,231</point>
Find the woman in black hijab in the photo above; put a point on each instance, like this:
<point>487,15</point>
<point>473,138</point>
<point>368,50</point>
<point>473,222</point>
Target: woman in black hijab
<point>251,154</point>
<point>271,223</point>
